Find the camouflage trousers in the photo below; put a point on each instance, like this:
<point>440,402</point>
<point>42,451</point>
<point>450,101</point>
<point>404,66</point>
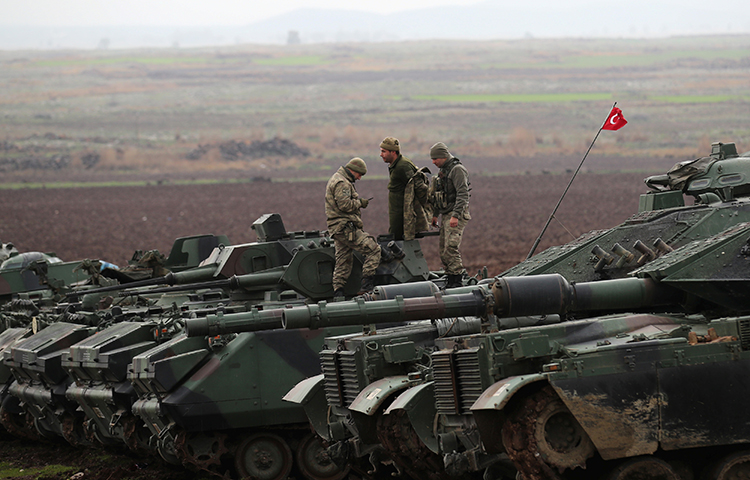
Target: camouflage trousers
<point>450,240</point>
<point>346,243</point>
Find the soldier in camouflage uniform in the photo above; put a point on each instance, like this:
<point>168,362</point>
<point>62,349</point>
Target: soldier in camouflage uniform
<point>449,196</point>
<point>345,225</point>
<point>400,170</point>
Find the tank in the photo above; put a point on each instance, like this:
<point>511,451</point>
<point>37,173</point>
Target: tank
<point>111,364</point>
<point>188,392</point>
<point>395,357</point>
<point>601,373</point>
<point>596,383</point>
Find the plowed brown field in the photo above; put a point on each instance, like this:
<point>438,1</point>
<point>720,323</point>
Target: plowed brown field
<point>110,223</point>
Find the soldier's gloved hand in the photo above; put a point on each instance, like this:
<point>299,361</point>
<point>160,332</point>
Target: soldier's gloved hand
<point>363,202</point>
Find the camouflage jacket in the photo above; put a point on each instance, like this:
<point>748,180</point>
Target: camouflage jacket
<point>342,202</point>
<point>416,207</point>
<point>449,192</point>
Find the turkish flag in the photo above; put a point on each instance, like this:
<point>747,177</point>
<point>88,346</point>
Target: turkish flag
<point>615,121</point>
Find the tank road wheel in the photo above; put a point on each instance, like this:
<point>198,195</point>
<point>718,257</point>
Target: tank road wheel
<point>201,449</point>
<point>407,450</point>
<point>34,423</point>
<point>541,435</point>
<point>560,438</point>
<point>263,457</point>
<point>73,430</point>
<point>135,434</point>
<point>315,463</point>
<point>643,468</point>
<point>732,467</point>
<point>15,421</point>
<point>166,448</point>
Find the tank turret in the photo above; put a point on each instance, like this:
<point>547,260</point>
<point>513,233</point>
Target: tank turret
<point>34,272</point>
<point>300,262</point>
<point>719,187</point>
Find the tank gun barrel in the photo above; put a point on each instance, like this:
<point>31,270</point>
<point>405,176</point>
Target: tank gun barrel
<point>553,294</point>
<point>173,278</point>
<point>250,281</point>
<point>270,319</point>
<point>193,279</point>
<point>507,297</point>
<point>220,323</point>
<point>399,309</point>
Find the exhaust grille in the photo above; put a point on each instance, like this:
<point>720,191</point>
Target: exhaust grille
<point>458,381</point>
<point>340,374</point>
<point>745,334</point>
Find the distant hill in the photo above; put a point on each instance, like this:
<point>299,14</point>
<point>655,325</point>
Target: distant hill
<point>492,19</point>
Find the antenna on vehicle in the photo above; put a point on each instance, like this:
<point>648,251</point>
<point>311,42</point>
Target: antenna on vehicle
<point>613,122</point>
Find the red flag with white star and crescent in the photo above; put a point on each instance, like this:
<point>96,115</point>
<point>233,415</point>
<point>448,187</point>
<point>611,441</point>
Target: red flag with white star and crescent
<point>615,121</point>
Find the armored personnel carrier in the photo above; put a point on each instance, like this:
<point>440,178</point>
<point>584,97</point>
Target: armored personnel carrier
<point>625,332</point>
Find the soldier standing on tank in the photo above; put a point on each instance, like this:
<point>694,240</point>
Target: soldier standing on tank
<point>400,170</point>
<point>345,226</point>
<point>449,196</point>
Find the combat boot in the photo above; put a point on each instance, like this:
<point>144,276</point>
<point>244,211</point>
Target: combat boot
<point>454,281</point>
<point>368,283</point>
<point>338,294</point>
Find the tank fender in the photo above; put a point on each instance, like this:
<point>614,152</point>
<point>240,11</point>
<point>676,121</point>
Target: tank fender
<point>419,404</point>
<point>373,395</point>
<point>310,394</point>
<point>488,408</point>
<point>304,391</point>
<point>499,394</point>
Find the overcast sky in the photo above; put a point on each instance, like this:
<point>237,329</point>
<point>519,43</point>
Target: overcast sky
<point>244,12</point>
<point>59,24</point>
<point>184,12</point>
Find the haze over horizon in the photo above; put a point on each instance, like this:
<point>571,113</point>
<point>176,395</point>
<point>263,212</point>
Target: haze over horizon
<point>90,24</point>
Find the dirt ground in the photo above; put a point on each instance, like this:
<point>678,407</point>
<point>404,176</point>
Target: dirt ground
<point>27,460</point>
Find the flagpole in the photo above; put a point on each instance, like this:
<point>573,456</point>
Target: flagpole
<point>549,220</point>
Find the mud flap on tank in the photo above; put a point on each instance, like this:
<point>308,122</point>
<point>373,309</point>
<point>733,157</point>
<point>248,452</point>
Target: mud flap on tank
<point>419,404</point>
<point>620,413</point>
<point>310,394</point>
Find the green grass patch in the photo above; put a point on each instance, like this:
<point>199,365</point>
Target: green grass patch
<point>124,60</point>
<point>8,471</point>
<point>695,98</point>
<point>145,183</point>
<point>620,59</point>
<point>293,61</point>
<point>516,98</point>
